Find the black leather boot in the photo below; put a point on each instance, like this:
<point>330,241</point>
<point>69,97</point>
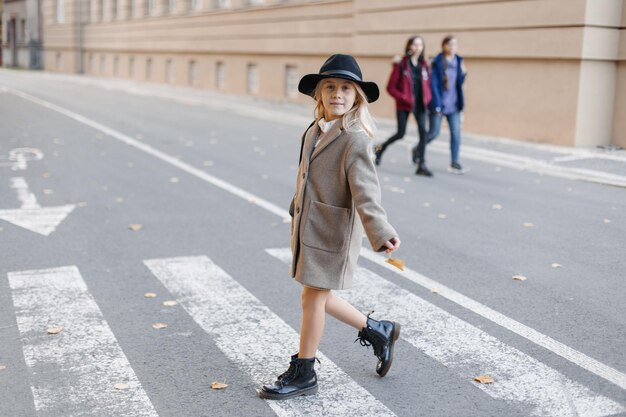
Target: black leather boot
<point>299,379</point>
<point>381,335</point>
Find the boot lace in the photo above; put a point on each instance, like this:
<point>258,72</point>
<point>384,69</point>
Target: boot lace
<point>364,341</point>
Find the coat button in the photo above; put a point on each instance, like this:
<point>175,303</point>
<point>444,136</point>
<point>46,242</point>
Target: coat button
<point>303,175</point>
<point>297,209</point>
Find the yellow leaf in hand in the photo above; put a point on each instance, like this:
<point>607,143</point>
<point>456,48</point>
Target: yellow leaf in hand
<point>398,263</point>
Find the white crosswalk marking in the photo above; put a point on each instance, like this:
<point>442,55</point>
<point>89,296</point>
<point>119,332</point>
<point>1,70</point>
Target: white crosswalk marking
<point>73,372</point>
<point>471,352</point>
<point>256,339</point>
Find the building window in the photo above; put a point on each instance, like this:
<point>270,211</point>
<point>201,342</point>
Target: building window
<point>90,64</point>
<point>192,78</point>
<point>171,5</point>
<point>23,30</point>
<point>195,5</point>
<point>222,4</point>
<point>116,64</point>
<point>59,61</point>
<point>148,69</point>
<point>114,7</point>
<point>151,6</point>
<point>100,10</point>
<point>132,8</point>
<point>219,75</point>
<point>102,64</point>
<point>131,67</point>
<point>60,11</point>
<point>253,79</point>
<point>169,71</point>
<point>291,81</point>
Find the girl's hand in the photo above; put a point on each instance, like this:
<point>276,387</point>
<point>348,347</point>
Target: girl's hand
<point>392,244</point>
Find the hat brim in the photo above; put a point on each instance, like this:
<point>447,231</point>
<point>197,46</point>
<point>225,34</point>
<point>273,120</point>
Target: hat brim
<point>308,83</point>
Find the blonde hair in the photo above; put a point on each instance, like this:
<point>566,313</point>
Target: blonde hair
<point>357,119</point>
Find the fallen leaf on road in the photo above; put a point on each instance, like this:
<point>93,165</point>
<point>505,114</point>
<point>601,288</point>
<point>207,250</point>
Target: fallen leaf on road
<point>150,295</point>
<point>170,303</point>
<point>496,207</point>
<point>218,385</point>
<point>398,263</point>
<point>426,204</point>
<point>48,191</point>
<point>46,175</point>
<point>135,227</point>
<point>442,216</point>
<point>55,330</point>
<point>484,379</point>
<point>159,326</point>
<point>435,290</point>
<point>82,204</point>
<point>121,386</point>
<point>519,278</point>
<point>555,265</point>
<point>252,200</point>
<point>119,200</point>
<point>607,221</point>
<point>527,224</point>
<point>174,180</point>
<point>2,367</point>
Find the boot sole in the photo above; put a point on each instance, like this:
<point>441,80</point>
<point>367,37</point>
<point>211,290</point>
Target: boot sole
<point>396,335</point>
<point>269,396</point>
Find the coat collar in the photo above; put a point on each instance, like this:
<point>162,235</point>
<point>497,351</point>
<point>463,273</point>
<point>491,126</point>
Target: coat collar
<point>326,138</point>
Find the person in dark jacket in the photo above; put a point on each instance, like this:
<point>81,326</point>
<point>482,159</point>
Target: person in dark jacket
<point>409,85</point>
<point>447,78</point>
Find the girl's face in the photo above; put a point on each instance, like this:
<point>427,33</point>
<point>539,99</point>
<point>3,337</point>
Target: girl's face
<point>416,47</point>
<point>450,47</point>
<point>338,96</point>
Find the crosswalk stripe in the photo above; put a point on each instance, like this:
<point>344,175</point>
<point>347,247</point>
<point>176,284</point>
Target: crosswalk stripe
<point>256,339</point>
<point>470,351</point>
<point>73,371</point>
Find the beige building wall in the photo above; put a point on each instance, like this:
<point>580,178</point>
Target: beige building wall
<point>539,70</point>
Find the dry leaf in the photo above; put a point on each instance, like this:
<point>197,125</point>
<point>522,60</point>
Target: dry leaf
<point>119,200</point>
<point>607,221</point>
<point>435,290</point>
<point>46,175</point>
<point>484,379</point>
<point>174,180</point>
<point>121,386</point>
<point>555,265</point>
<point>135,227</point>
<point>170,303</point>
<point>82,204</point>
<point>159,326</point>
<point>527,224</point>
<point>2,367</point>
<point>398,263</point>
<point>150,295</point>
<point>496,207</point>
<point>55,330</point>
<point>252,200</point>
<point>218,385</point>
<point>48,191</point>
<point>427,204</point>
<point>442,216</point>
<point>519,278</point>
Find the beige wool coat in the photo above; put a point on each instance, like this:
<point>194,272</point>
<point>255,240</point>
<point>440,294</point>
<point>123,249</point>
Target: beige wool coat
<point>337,197</point>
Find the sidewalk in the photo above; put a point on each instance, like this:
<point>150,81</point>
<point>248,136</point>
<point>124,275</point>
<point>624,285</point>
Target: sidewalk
<point>604,166</point>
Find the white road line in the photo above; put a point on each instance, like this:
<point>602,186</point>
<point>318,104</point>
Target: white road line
<point>257,340</point>
<point>73,372</point>
<point>470,351</point>
<point>578,358</point>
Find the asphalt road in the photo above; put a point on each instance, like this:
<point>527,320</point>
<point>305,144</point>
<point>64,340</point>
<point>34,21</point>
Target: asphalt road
<point>84,162</point>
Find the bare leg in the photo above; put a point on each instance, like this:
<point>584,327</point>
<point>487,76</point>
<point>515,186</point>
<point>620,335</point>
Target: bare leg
<point>312,327</point>
<point>345,312</point>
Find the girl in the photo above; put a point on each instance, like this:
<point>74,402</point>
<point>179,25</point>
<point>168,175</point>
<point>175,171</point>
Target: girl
<point>336,180</point>
<point>448,76</point>
<point>409,85</point>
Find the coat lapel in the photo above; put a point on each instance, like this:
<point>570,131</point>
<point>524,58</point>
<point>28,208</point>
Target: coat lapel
<point>327,138</point>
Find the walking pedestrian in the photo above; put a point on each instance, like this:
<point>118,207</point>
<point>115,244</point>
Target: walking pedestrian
<point>409,85</point>
<point>447,78</point>
<point>337,196</point>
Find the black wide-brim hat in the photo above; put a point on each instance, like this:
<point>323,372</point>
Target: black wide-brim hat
<point>339,66</point>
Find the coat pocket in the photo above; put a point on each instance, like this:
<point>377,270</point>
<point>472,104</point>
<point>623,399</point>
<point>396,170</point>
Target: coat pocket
<point>327,227</point>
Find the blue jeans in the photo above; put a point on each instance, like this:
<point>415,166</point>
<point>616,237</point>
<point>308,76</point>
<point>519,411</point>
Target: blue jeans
<point>454,123</point>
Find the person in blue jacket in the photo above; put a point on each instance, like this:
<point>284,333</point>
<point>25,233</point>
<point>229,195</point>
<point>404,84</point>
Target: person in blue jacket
<point>448,74</point>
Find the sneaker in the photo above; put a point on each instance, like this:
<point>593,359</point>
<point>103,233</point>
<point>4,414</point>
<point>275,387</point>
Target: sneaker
<point>456,168</point>
<point>423,171</point>
<point>378,153</point>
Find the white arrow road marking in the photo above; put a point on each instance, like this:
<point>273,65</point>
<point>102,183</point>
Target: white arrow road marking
<point>470,351</point>
<point>73,372</point>
<point>256,339</point>
<point>578,358</point>
<point>31,216</point>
